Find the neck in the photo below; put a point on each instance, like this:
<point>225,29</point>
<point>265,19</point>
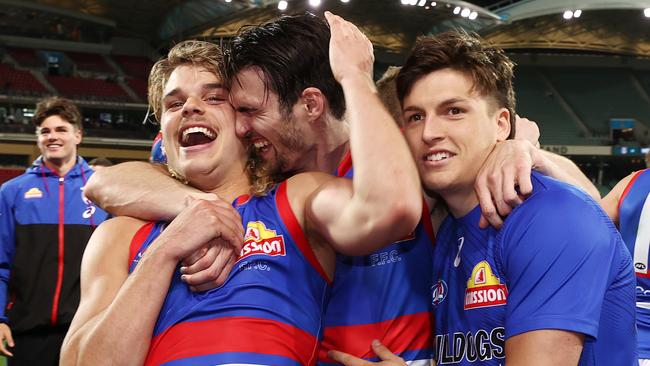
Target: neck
<point>332,144</point>
<point>460,201</point>
<point>228,188</point>
<point>60,167</point>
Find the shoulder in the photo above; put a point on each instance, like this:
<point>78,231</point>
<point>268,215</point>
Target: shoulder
<point>12,186</point>
<point>116,231</point>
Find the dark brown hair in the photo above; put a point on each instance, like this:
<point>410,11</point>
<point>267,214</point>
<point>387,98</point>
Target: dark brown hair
<point>57,106</point>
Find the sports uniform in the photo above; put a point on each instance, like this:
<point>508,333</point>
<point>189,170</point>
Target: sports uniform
<point>46,224</point>
<point>557,263</point>
<point>385,296</point>
<point>634,219</point>
<point>268,312</point>
<point>158,151</point>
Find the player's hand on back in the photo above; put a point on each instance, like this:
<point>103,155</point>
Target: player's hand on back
<point>351,53</point>
<point>385,355</point>
<point>526,129</point>
<point>206,238</point>
<point>504,180</point>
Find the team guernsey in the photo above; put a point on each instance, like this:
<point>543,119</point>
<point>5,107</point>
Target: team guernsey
<point>634,222</point>
<point>557,263</point>
<point>268,312</point>
<point>385,296</point>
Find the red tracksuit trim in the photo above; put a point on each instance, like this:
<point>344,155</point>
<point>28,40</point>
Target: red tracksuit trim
<point>59,275</point>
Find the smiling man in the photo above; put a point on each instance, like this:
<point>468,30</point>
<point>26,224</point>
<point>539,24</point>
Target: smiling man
<point>45,225</point>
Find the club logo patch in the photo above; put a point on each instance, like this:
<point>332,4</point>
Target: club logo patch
<point>484,289</point>
<point>260,240</point>
<point>438,292</point>
<point>33,193</point>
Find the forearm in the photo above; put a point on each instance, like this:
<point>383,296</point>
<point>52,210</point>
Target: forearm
<point>565,170</point>
<point>127,324</point>
<point>385,176</point>
<point>138,189</point>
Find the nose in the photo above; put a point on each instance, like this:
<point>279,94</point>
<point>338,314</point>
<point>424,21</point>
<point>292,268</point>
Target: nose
<point>192,106</point>
<point>433,131</point>
<point>242,126</point>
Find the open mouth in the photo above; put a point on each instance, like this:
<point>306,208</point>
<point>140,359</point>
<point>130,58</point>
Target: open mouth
<point>261,145</point>
<point>195,136</point>
<point>438,156</point>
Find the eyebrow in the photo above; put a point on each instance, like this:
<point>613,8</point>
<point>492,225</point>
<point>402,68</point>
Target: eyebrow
<point>204,87</point>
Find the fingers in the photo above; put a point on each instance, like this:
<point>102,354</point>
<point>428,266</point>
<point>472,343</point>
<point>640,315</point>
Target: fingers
<point>523,180</point>
<point>213,272</point>
<point>385,354</point>
<point>510,197</point>
<point>488,209</point>
<point>6,339</point>
<point>194,257</point>
<point>346,359</point>
<point>221,278</point>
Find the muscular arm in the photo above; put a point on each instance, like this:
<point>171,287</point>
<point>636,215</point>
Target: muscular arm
<point>610,201</point>
<point>383,203</point>
<point>141,190</point>
<point>532,348</point>
<point>116,311</point>
<point>565,170</point>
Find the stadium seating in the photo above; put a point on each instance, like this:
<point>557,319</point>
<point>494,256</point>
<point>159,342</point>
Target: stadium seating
<point>138,67</point>
<point>19,82</point>
<point>90,62</point>
<point>25,57</point>
<point>88,89</point>
<point>139,86</point>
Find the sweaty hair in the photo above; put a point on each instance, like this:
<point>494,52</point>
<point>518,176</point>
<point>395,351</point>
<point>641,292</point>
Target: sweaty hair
<point>196,53</point>
<point>293,54</point>
<point>57,106</point>
<point>489,68</point>
<point>387,92</point>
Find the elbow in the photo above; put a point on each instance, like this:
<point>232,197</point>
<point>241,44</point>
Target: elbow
<point>406,214</point>
<point>92,189</point>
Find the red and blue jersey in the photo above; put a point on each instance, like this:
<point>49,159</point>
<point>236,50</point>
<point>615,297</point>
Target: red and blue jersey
<point>634,222</point>
<point>158,151</point>
<point>558,262</point>
<point>385,296</point>
<point>268,312</point>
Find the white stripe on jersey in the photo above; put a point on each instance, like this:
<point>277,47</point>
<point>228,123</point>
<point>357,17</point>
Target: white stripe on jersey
<point>420,363</point>
<point>643,305</point>
<point>642,244</point>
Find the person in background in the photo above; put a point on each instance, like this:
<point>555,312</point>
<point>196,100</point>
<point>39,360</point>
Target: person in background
<point>45,223</point>
<point>99,163</point>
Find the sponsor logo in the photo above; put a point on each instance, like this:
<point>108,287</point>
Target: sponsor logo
<point>260,240</point>
<point>481,345</point>
<point>640,266</point>
<point>484,289</point>
<point>438,292</point>
<point>461,241</point>
<point>88,212</point>
<point>33,193</point>
<point>387,257</point>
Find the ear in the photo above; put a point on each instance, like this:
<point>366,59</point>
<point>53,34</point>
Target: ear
<point>503,124</point>
<point>77,136</point>
<point>314,103</point>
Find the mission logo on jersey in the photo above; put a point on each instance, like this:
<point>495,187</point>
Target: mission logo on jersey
<point>260,240</point>
<point>484,289</point>
<point>34,193</point>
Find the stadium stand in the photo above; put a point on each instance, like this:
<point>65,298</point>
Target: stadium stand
<point>19,82</point>
<point>90,62</point>
<point>138,67</point>
<point>25,57</point>
<point>139,86</point>
<point>88,89</point>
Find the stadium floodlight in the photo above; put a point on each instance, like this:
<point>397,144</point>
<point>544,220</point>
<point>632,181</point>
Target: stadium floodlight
<point>577,13</point>
<point>433,3</point>
<point>413,2</point>
<point>646,12</point>
<point>228,1</point>
<point>422,2</point>
<point>405,2</point>
<point>345,1</point>
<point>465,13</point>
<point>568,14</point>
<point>473,15</point>
<point>314,3</point>
<point>282,5</point>
<point>457,10</point>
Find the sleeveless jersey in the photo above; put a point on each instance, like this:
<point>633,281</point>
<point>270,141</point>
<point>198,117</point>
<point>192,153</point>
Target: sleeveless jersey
<point>557,263</point>
<point>268,312</point>
<point>385,296</point>
<point>634,219</point>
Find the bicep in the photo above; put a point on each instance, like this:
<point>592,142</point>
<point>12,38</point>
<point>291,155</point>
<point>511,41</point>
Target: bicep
<point>533,348</point>
<point>610,202</point>
<point>104,268</point>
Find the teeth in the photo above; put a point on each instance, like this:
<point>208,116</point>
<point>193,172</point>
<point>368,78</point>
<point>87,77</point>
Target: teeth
<point>438,156</point>
<point>202,130</point>
<point>260,144</point>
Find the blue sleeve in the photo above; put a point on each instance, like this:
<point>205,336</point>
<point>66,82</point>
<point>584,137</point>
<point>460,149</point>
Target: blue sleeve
<point>8,245</point>
<point>557,252</point>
